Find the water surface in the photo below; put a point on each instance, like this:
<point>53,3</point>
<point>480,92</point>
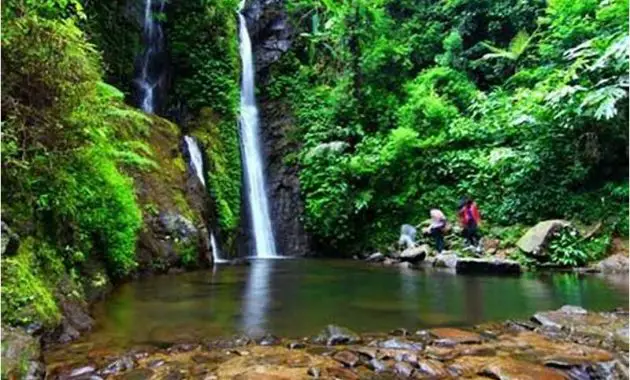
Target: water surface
<point>298,297</point>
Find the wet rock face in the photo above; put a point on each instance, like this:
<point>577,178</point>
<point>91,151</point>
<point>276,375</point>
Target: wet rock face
<point>269,29</point>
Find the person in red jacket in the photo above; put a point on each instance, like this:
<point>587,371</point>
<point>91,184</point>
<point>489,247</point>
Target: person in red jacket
<point>469,219</point>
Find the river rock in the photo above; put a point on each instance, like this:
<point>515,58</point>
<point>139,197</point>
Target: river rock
<point>269,340</point>
<point>415,254</point>
<point>403,369</point>
<point>612,327</point>
<point>333,335</point>
<point>377,365</point>
<point>296,345</point>
<point>511,369</point>
<point>314,372</point>
<point>122,364</point>
<point>347,358</point>
<point>446,260</point>
<point>399,344</point>
<point>466,265</point>
<point>535,239</point>
<point>21,355</point>
<point>617,263</point>
<point>375,257</point>
<point>457,336</point>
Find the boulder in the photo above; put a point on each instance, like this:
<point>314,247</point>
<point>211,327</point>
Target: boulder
<point>490,246</point>
<point>617,263</point>
<point>333,334</point>
<point>487,265</point>
<point>9,241</point>
<point>536,238</point>
<point>415,254</point>
<point>375,257</point>
<point>178,226</point>
<point>446,260</point>
<point>21,355</point>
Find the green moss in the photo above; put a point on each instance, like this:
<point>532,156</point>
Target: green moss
<point>187,251</point>
<point>220,139</point>
<point>27,294</point>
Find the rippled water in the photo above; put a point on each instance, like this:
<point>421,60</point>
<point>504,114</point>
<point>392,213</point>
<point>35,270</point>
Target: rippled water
<point>298,297</point>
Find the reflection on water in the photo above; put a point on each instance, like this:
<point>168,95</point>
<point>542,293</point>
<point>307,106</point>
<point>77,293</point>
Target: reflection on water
<point>256,297</point>
<point>299,297</point>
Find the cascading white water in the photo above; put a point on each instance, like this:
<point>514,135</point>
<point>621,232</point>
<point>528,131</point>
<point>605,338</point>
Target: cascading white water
<point>250,141</point>
<point>149,78</point>
<point>195,157</point>
<point>196,160</point>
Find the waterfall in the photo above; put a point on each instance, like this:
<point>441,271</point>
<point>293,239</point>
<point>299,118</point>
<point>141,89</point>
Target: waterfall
<point>150,75</point>
<point>196,161</point>
<point>195,157</point>
<point>252,158</point>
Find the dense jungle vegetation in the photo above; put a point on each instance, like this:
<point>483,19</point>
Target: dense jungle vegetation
<point>400,106</point>
<point>407,105</point>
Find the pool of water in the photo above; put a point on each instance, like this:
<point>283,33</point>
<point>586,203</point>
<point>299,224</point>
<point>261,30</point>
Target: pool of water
<point>298,297</point>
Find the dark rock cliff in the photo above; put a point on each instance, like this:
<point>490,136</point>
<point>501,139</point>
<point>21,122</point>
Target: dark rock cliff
<point>271,35</point>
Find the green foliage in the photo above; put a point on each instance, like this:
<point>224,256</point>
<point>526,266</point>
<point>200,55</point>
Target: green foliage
<point>537,132</point>
<point>26,294</point>
<point>564,248</point>
<point>116,31</point>
<point>203,39</point>
<point>64,139</point>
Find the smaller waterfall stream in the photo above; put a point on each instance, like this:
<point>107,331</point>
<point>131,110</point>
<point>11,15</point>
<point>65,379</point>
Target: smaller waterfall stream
<point>196,160</point>
<point>151,72</point>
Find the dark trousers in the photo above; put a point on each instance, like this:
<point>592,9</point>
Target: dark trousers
<point>438,235</point>
<point>471,234</point>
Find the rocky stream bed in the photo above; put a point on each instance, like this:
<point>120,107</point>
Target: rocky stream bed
<point>569,343</point>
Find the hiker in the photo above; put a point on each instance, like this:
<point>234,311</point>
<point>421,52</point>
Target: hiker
<point>469,219</point>
<point>437,228</point>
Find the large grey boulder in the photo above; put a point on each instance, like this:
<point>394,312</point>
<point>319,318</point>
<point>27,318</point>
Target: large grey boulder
<point>536,238</point>
<point>617,263</point>
<point>415,254</point>
<point>446,260</point>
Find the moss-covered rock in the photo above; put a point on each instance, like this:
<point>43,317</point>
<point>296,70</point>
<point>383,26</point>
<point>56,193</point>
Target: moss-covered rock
<point>27,292</point>
<point>223,170</point>
<point>169,197</point>
<point>21,355</point>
